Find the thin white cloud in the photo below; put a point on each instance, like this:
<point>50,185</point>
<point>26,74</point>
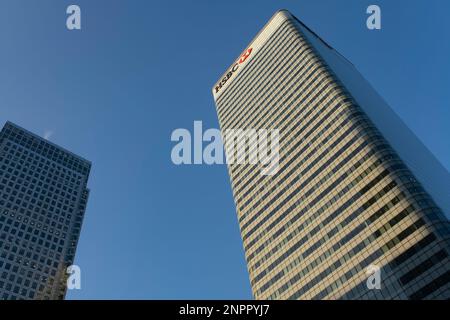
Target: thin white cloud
<point>48,134</point>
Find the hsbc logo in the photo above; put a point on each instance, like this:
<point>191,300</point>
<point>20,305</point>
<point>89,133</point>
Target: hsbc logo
<point>233,69</point>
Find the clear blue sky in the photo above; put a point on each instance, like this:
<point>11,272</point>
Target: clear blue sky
<point>114,91</point>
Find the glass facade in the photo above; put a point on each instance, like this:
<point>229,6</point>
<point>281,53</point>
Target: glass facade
<point>43,198</point>
<point>345,197</point>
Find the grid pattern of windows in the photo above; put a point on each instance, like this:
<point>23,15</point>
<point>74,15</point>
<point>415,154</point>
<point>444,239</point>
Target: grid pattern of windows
<point>342,198</point>
<point>43,197</point>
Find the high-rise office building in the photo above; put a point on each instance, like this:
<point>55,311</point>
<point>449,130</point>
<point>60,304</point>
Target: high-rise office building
<point>43,198</point>
<point>356,195</point>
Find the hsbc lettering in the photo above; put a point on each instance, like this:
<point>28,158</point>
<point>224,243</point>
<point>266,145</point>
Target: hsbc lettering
<point>234,69</point>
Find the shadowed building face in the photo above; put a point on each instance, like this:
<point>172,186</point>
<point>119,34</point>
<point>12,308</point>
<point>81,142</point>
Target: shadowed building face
<point>43,198</point>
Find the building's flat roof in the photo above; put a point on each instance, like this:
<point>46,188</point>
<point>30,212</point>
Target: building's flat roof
<point>9,123</point>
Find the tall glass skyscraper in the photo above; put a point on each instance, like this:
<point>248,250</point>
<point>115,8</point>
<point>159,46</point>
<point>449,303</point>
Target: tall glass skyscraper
<point>43,198</point>
<point>355,190</point>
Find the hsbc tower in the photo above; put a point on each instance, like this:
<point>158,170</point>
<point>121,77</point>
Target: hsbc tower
<point>359,208</point>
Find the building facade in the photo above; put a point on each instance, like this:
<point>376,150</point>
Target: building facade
<point>43,198</point>
<point>356,195</point>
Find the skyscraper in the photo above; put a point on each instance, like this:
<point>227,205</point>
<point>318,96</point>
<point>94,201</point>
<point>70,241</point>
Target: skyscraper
<point>357,195</point>
<point>43,198</point>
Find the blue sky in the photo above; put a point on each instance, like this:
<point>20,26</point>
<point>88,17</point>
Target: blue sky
<point>114,91</point>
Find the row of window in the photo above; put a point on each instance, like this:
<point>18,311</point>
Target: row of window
<point>434,285</point>
<point>304,196</point>
<point>329,219</point>
<point>40,218</point>
<point>370,137</point>
<point>37,162</point>
<point>360,266</point>
<point>298,176</point>
<point>270,122</point>
<point>320,133</point>
<point>243,175</point>
<point>270,83</point>
<point>324,209</point>
<point>349,254</point>
<point>294,120</point>
<point>413,190</point>
<point>306,252</point>
<point>360,290</point>
<point>256,63</point>
<point>333,249</point>
<point>287,144</point>
<point>45,149</point>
